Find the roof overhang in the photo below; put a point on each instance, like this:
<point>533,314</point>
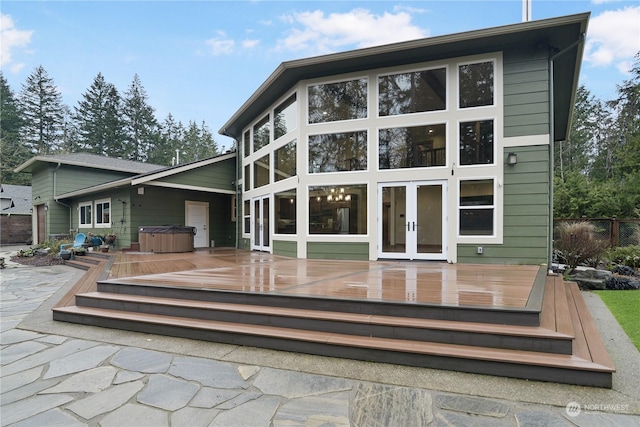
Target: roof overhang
<point>29,165</point>
<point>558,33</point>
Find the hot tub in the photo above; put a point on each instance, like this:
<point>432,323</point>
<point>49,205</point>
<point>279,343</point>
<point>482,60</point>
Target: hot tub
<point>166,238</point>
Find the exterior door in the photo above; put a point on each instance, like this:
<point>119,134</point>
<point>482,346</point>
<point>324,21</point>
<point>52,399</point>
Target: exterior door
<point>198,217</point>
<point>412,220</point>
<point>41,221</point>
<point>261,212</point>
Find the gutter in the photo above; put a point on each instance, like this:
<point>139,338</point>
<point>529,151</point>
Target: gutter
<point>552,124</point>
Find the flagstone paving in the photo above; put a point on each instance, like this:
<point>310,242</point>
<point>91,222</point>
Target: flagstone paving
<point>53,379</point>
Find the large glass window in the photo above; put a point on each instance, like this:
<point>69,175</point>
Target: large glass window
<point>338,101</point>
<point>337,152</point>
<point>284,162</point>
<point>103,213</point>
<point>247,143</point>
<point>412,147</point>
<point>285,212</point>
<point>261,134</point>
<point>85,215</point>
<point>414,92</point>
<point>476,84</point>
<point>338,209</point>
<point>246,213</point>
<point>285,118</point>
<point>261,172</point>
<point>476,142</point>
<point>476,207</point>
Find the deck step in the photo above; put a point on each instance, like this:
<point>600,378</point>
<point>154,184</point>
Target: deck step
<point>432,330</point>
<point>504,362</point>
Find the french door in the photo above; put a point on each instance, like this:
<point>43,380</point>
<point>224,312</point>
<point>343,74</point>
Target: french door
<point>261,213</point>
<point>412,220</point>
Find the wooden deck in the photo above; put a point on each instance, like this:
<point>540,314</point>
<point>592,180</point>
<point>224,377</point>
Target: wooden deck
<point>500,320</point>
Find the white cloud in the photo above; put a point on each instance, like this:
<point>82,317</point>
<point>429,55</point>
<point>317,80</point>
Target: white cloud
<point>11,38</point>
<point>221,45</point>
<point>248,44</point>
<point>319,33</point>
<point>613,38</point>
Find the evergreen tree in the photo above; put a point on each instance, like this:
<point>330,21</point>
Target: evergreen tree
<point>139,120</point>
<point>198,143</point>
<point>98,119</point>
<point>170,138</point>
<point>42,110</point>
<point>12,151</point>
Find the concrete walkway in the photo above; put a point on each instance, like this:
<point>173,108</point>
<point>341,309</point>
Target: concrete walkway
<point>59,374</point>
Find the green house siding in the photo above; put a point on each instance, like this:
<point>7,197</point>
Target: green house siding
<point>220,175</point>
<point>526,92</point>
<point>285,248</point>
<point>526,213</point>
<point>338,250</point>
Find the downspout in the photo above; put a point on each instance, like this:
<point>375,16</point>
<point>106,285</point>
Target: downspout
<point>552,136</point>
<point>238,194</point>
<point>55,186</point>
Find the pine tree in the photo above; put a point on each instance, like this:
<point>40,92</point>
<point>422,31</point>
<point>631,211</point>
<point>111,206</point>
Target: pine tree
<point>12,151</point>
<point>43,113</point>
<point>98,119</point>
<point>171,134</point>
<point>140,122</point>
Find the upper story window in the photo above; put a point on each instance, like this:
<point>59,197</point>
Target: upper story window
<point>85,215</point>
<point>476,142</point>
<point>103,213</point>
<point>246,177</point>
<point>247,143</point>
<point>285,117</point>
<point>261,172</point>
<point>412,147</point>
<point>338,152</point>
<point>414,92</point>
<point>476,84</point>
<point>333,102</point>
<point>284,161</point>
<point>261,133</point>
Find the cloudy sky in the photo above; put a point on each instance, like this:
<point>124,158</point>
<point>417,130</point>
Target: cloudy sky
<point>201,60</point>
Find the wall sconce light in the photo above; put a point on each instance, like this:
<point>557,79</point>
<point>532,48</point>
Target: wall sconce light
<point>46,207</point>
<point>512,159</point>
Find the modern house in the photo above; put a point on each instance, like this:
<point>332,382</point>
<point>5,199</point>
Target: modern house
<point>437,149</point>
<point>88,193</point>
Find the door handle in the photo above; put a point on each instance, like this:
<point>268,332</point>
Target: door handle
<point>414,226</point>
<point>408,226</point>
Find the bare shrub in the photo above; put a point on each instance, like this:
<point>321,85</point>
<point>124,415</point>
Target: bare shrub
<point>577,243</point>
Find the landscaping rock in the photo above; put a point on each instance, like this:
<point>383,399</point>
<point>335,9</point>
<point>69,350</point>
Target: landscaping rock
<point>589,278</point>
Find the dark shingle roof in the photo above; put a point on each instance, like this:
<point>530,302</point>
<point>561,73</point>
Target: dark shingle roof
<point>20,196</point>
<point>92,161</point>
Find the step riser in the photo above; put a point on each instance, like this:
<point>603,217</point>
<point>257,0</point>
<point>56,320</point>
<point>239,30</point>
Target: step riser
<point>538,344</point>
<point>514,370</point>
<point>522,317</point>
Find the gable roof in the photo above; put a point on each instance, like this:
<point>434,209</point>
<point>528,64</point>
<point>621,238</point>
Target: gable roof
<point>150,177</point>
<point>20,199</point>
<point>556,33</point>
<point>89,160</point>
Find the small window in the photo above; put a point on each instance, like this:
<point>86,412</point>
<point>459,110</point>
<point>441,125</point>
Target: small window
<point>339,209</point>
<point>476,142</point>
<point>284,162</point>
<point>285,117</point>
<point>261,172</point>
<point>285,212</point>
<point>261,134</point>
<point>477,207</point>
<point>247,143</point>
<point>338,152</point>
<point>103,213</point>
<point>412,147</point>
<point>246,178</point>
<point>334,102</point>
<point>476,84</point>
<point>246,212</point>
<point>85,215</point>
<point>414,92</point>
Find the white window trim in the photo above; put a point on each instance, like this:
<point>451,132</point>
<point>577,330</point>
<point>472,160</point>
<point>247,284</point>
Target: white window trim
<point>339,237</point>
<point>365,129</point>
<point>80,206</point>
<point>480,238</point>
<point>494,119</point>
<point>305,120</point>
<point>95,213</point>
<point>423,168</point>
<point>495,84</point>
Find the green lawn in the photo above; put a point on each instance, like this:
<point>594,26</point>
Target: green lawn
<point>625,306</point>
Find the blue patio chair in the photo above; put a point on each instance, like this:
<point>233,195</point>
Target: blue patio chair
<point>77,243</point>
